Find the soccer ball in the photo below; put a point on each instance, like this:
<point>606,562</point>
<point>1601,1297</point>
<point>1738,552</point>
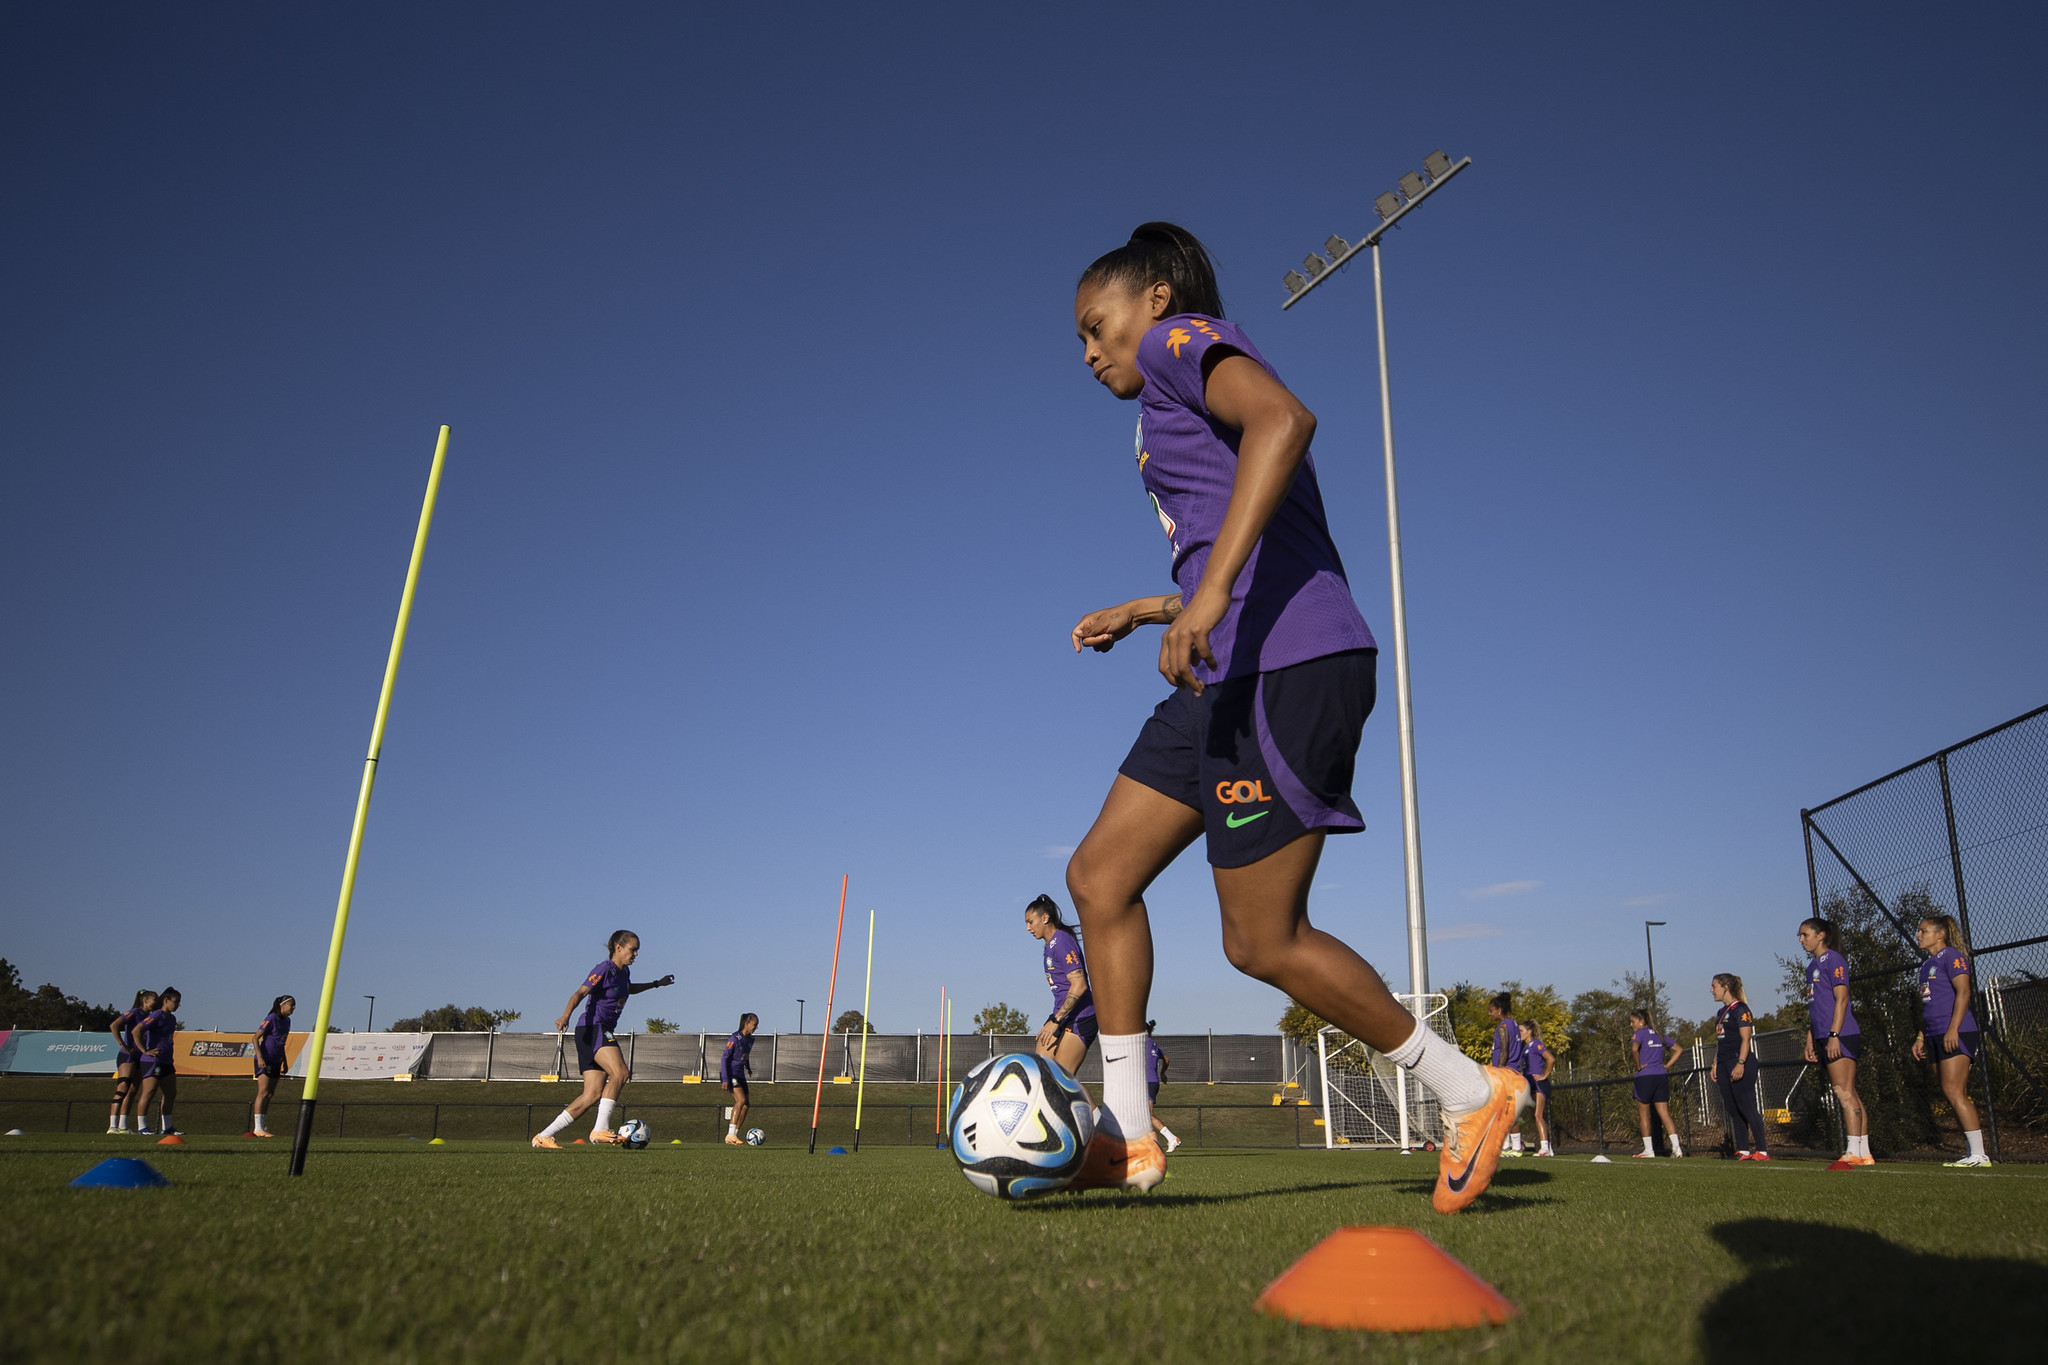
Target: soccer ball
<point>1020,1126</point>
<point>755,1137</point>
<point>633,1135</point>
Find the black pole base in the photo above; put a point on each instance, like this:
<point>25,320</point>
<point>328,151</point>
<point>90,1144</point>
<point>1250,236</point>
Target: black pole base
<point>303,1137</point>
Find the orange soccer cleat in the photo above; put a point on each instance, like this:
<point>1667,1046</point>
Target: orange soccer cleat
<point>1470,1155</point>
<point>733,1140</point>
<point>606,1135</point>
<point>1113,1163</point>
<point>547,1144</point>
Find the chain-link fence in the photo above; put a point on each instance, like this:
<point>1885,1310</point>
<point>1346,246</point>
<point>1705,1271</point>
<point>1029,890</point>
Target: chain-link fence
<point>1962,832</point>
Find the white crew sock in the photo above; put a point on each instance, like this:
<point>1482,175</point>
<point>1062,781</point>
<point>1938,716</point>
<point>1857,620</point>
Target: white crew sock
<point>1672,1138</point>
<point>121,1124</point>
<point>260,1119</point>
<point>1975,1137</point>
<point>1167,1133</point>
<point>1859,1145</point>
<point>1649,1146</point>
<point>1126,1110</point>
<point>1514,1142</point>
<point>604,1113</point>
<point>1458,1082</point>
<point>732,1130</point>
<point>562,1120</point>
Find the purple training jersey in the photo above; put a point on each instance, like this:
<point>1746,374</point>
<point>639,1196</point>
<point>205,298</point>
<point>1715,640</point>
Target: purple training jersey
<point>1152,1056</point>
<point>124,1028</point>
<point>1938,991</point>
<point>270,1036</point>
<point>737,1063</point>
<point>1292,602</point>
<point>609,985</point>
<point>1539,1060</point>
<point>1652,1050</point>
<point>153,1035</point>
<point>1823,974</point>
<point>1507,1045</point>
<point>1063,955</point>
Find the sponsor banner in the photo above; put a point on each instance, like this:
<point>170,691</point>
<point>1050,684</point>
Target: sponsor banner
<point>359,1056</point>
<point>50,1053</point>
<point>200,1053</point>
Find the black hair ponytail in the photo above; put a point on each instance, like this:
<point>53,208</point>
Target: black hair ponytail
<point>1050,908</point>
<point>1830,934</point>
<point>1162,251</point>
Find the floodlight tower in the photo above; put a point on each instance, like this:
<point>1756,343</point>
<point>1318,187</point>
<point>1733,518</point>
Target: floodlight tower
<point>1392,207</point>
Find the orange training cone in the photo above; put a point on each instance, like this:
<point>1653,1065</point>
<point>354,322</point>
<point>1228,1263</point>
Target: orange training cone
<point>170,1140</point>
<point>1383,1280</point>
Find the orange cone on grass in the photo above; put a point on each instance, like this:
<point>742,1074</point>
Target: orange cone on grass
<point>170,1140</point>
<point>1383,1280</point>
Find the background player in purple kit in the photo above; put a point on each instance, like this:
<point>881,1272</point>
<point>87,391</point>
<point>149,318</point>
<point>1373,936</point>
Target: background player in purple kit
<point>1507,1052</point>
<point>1653,1081</point>
<point>127,1059</point>
<point>1949,1036</point>
<point>735,1064</point>
<point>271,1036</point>
<point>154,1037</point>
<point>1537,1063</point>
<point>1734,1068</point>
<point>1273,676</point>
<point>1834,1039</point>
<point>1069,1030</point>
<point>1156,1065</point>
<point>597,1048</point>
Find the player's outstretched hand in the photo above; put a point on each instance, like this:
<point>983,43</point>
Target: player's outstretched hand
<point>668,980</point>
<point>1188,639</point>
<point>1100,630</point>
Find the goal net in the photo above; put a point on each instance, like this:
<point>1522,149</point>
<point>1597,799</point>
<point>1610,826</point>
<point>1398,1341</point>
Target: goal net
<point>1367,1100</point>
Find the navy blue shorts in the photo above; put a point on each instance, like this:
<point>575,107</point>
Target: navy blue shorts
<point>590,1040</point>
<point>1151,1090</point>
<point>1084,1028</point>
<point>1967,1043</point>
<point>1266,757</point>
<point>124,1060</point>
<point>1653,1090</point>
<point>274,1070</point>
<point>148,1064</point>
<point>739,1089</point>
<point>1541,1087</point>
<point>1852,1046</point>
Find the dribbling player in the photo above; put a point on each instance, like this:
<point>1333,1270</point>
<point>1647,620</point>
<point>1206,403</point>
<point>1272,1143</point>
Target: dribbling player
<point>1273,676</point>
<point>735,1064</point>
<point>597,1047</point>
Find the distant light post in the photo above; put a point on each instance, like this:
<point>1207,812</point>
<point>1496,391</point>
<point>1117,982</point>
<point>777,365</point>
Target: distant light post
<point>371,1025</point>
<point>799,1015</point>
<point>1415,186</point>
<point>1650,953</point>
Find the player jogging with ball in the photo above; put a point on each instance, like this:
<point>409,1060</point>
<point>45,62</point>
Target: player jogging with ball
<point>1273,676</point>
<point>597,1047</point>
<point>1949,1036</point>
<point>734,1066</point>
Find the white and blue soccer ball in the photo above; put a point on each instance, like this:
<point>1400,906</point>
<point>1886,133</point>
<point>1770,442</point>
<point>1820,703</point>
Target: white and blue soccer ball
<point>634,1135</point>
<point>1020,1126</point>
<point>755,1137</point>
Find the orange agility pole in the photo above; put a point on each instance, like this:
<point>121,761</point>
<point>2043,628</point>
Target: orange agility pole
<point>1383,1280</point>
<point>825,1038</point>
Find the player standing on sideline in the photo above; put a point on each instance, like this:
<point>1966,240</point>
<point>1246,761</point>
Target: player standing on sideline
<point>1949,1038</point>
<point>158,1063</point>
<point>1735,1070</point>
<point>1538,1062</point>
<point>597,1049</point>
<point>1507,1052</point>
<point>127,1059</point>
<point>1653,1081</point>
<point>1833,1037</point>
<point>734,1066</point>
<point>1070,1029</point>
<point>1156,1065</point>
<point>270,1063</point>
<point>1273,676</point>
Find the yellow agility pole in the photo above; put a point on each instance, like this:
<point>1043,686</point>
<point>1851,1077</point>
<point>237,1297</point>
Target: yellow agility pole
<point>860,1088</point>
<point>318,1046</point>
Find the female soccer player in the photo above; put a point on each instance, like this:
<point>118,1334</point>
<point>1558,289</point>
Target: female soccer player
<point>1949,1038</point>
<point>1156,1065</point>
<point>157,1064</point>
<point>1070,1028</point>
<point>1272,669</point>
<point>1507,1052</point>
<point>597,1050</point>
<point>1734,1068</point>
<point>1653,1081</point>
<point>269,1062</point>
<point>1833,1037</point>
<point>1538,1062</point>
<point>733,1069</point>
<point>127,1059</point>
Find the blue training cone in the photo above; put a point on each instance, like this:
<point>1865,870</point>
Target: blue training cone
<point>837,1151</point>
<point>120,1173</point>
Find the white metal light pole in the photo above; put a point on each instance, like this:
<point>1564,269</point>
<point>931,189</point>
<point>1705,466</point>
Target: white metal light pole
<point>1392,207</point>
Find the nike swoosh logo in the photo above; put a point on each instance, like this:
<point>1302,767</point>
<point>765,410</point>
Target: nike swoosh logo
<point>1234,822</point>
<point>1107,1059</point>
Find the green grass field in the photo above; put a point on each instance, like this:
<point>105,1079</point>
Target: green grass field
<point>487,1250</point>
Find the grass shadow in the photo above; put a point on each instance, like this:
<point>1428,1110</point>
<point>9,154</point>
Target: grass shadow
<point>1833,1293</point>
<point>1081,1202</point>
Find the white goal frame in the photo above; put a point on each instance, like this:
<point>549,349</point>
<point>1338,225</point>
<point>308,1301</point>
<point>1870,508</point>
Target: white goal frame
<point>1368,1102</point>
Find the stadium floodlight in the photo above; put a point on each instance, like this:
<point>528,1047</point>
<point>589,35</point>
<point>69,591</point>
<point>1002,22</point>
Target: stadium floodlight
<point>1336,246</point>
<point>1295,281</point>
<point>1650,955</point>
<point>1392,207</point>
<point>370,1024</point>
<point>1314,265</point>
<point>799,1016</point>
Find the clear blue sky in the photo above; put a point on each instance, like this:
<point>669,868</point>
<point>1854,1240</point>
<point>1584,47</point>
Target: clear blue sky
<point>777,482</point>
